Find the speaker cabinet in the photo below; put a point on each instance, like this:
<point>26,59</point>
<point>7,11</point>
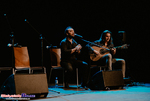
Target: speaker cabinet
<point>106,79</point>
<point>33,84</point>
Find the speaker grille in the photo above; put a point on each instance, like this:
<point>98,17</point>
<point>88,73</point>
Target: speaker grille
<point>113,78</point>
<point>30,83</point>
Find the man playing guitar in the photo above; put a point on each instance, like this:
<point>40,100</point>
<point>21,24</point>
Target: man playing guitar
<point>103,49</point>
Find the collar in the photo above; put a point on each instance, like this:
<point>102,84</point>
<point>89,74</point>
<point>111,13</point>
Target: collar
<point>73,41</point>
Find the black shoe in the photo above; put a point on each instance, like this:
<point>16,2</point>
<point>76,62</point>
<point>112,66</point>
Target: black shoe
<point>84,86</point>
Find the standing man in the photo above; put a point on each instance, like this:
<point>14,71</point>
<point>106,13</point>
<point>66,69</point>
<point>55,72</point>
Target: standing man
<point>106,41</point>
<point>69,51</point>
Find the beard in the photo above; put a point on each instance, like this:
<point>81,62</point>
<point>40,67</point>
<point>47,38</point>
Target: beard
<point>70,36</point>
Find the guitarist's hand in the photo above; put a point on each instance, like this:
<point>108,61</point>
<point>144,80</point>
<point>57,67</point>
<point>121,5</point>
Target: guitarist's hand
<point>96,52</point>
<point>113,50</point>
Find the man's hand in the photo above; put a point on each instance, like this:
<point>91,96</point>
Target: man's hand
<point>96,52</point>
<point>78,48</point>
<point>113,50</point>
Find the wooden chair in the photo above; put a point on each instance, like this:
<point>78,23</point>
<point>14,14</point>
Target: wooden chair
<point>55,54</point>
<point>93,64</point>
<point>22,60</point>
<point>101,66</point>
<point>94,67</point>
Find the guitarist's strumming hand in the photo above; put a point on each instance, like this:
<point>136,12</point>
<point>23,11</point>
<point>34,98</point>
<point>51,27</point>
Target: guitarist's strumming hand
<point>96,52</point>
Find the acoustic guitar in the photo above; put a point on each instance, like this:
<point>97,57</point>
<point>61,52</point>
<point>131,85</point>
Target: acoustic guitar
<point>103,50</point>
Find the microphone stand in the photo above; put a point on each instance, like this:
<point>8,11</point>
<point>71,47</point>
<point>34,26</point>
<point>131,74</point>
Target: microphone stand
<point>13,65</point>
<point>12,42</point>
<point>41,38</point>
<point>92,43</point>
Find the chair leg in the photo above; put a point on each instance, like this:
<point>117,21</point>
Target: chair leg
<point>50,74</point>
<point>13,70</point>
<point>64,77</point>
<point>104,69</point>
<point>77,76</point>
<point>29,70</point>
<point>100,68</point>
<point>44,70</point>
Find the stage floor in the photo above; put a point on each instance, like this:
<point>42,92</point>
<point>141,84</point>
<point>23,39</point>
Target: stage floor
<point>136,92</point>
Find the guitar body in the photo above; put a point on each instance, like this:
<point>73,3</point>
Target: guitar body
<point>102,51</point>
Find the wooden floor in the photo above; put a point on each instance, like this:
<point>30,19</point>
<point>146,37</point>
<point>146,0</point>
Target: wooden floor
<point>134,92</point>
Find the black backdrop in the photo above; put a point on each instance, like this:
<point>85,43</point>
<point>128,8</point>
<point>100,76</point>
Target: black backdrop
<point>88,18</point>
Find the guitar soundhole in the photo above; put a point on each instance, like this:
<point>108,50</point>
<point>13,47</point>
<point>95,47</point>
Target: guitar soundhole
<point>102,51</point>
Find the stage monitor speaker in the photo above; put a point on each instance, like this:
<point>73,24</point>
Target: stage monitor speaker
<point>33,84</point>
<point>106,79</point>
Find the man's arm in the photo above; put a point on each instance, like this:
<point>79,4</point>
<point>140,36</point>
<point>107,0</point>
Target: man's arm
<point>70,51</point>
<point>78,48</point>
<point>64,48</point>
<point>91,50</point>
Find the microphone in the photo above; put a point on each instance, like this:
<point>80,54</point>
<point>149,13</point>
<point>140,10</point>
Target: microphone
<point>26,20</point>
<point>51,46</point>
<point>4,14</point>
<point>78,35</point>
<point>15,45</point>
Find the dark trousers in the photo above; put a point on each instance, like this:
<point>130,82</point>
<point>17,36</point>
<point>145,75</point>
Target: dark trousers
<point>70,66</point>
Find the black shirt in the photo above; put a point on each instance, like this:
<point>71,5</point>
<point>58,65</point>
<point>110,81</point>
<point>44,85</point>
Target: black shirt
<point>66,47</point>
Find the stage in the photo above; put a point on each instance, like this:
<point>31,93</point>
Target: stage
<point>135,92</point>
<point>40,24</point>
<point>131,91</point>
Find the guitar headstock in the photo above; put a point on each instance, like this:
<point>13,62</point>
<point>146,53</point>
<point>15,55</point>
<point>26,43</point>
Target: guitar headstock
<point>125,46</point>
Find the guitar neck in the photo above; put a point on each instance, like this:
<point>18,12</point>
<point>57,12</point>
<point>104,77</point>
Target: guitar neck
<point>122,47</point>
<point>118,47</point>
<point>102,47</point>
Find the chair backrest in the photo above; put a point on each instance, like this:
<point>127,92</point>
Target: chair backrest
<point>55,54</point>
<point>21,57</point>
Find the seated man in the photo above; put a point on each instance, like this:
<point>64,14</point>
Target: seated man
<point>107,43</point>
<point>69,50</point>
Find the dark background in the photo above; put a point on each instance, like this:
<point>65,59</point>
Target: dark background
<point>88,18</point>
